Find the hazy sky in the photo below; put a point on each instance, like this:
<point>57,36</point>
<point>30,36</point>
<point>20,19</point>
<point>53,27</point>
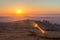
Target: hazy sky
<point>10,6</point>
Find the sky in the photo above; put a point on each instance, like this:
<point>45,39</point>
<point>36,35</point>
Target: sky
<point>30,6</point>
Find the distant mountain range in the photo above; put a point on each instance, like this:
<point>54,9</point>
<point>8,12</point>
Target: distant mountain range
<point>54,19</point>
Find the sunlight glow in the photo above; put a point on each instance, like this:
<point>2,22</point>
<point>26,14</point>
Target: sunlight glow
<point>19,11</point>
<point>36,26</point>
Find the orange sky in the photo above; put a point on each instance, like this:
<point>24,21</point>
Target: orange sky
<point>8,7</point>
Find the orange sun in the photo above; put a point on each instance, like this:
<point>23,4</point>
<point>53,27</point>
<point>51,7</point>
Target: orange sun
<point>19,11</point>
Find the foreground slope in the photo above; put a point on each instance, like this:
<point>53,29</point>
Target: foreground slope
<point>21,30</point>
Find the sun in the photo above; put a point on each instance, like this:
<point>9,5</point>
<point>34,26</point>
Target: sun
<point>19,11</point>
